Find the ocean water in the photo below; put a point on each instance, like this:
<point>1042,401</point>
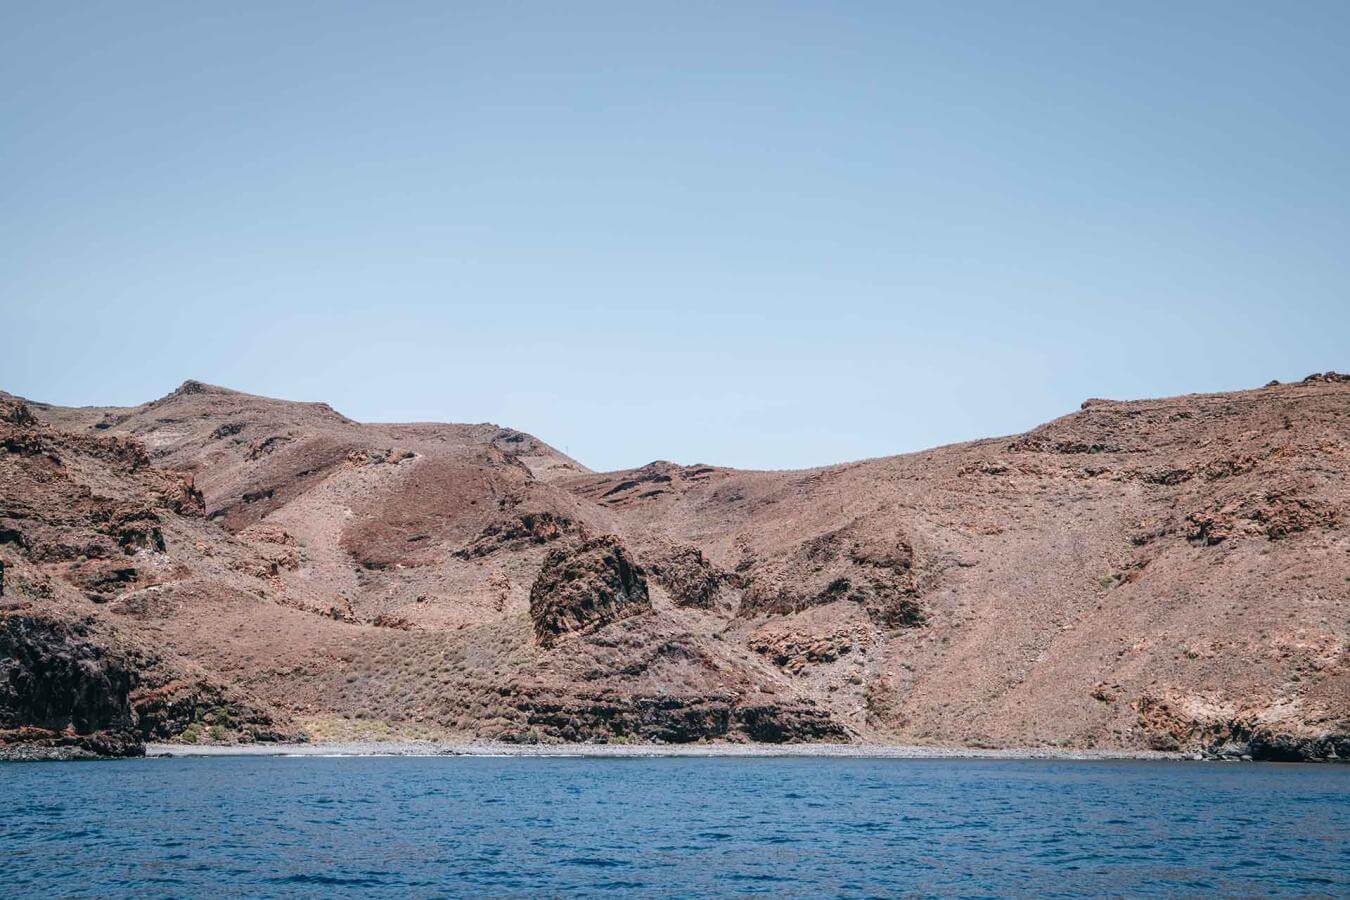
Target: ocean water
<point>690,827</point>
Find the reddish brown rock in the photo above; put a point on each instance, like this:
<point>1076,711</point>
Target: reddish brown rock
<point>585,587</point>
<point>519,531</point>
<point>1030,590</point>
<point>691,580</point>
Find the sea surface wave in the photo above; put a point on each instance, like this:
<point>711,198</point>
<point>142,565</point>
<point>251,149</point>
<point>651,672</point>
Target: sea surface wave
<point>486,826</point>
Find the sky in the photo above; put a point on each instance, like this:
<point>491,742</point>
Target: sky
<point>766,235</point>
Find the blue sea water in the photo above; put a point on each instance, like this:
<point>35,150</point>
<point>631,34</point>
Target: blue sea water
<point>797,827</point>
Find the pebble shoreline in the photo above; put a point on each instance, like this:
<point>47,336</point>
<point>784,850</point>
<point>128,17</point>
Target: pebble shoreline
<point>639,751</point>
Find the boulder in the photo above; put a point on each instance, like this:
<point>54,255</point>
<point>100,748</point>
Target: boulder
<point>584,587</point>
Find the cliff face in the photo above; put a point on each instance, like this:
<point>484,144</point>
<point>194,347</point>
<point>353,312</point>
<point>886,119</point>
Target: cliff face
<point>91,534</point>
<point>215,566</point>
<point>60,694</point>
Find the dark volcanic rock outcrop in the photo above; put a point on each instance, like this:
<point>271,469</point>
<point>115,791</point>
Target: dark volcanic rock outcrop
<point>61,693</point>
<point>195,710</point>
<point>691,580</point>
<point>668,719</point>
<point>1226,731</point>
<point>584,587</point>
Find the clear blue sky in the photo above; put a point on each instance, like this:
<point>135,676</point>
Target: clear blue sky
<point>762,235</point>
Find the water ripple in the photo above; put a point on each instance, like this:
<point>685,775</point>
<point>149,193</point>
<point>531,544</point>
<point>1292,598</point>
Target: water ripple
<point>394,827</point>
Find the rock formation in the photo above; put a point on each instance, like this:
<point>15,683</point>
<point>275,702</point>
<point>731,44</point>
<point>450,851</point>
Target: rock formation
<point>689,578</point>
<point>62,694</point>
<point>584,587</point>
<point>213,566</point>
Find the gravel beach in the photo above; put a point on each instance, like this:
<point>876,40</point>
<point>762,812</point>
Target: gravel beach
<point>630,751</point>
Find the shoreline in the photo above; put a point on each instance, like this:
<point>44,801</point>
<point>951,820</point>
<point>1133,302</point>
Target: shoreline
<point>642,751</point>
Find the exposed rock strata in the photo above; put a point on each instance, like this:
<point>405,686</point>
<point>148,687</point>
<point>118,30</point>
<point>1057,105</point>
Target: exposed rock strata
<point>669,719</point>
<point>584,587</point>
<point>1148,573</point>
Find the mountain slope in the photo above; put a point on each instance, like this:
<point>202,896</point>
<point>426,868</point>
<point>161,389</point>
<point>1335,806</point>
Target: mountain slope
<point>1168,573</point>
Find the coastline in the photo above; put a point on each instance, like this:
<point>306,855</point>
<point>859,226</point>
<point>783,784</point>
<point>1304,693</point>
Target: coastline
<point>643,751</point>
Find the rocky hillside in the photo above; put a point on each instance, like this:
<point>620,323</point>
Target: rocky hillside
<point>214,566</point>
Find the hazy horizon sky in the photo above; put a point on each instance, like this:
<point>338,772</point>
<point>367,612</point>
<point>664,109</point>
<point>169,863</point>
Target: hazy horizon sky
<point>760,235</point>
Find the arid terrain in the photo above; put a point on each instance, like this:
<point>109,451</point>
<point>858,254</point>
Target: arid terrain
<point>215,567</point>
